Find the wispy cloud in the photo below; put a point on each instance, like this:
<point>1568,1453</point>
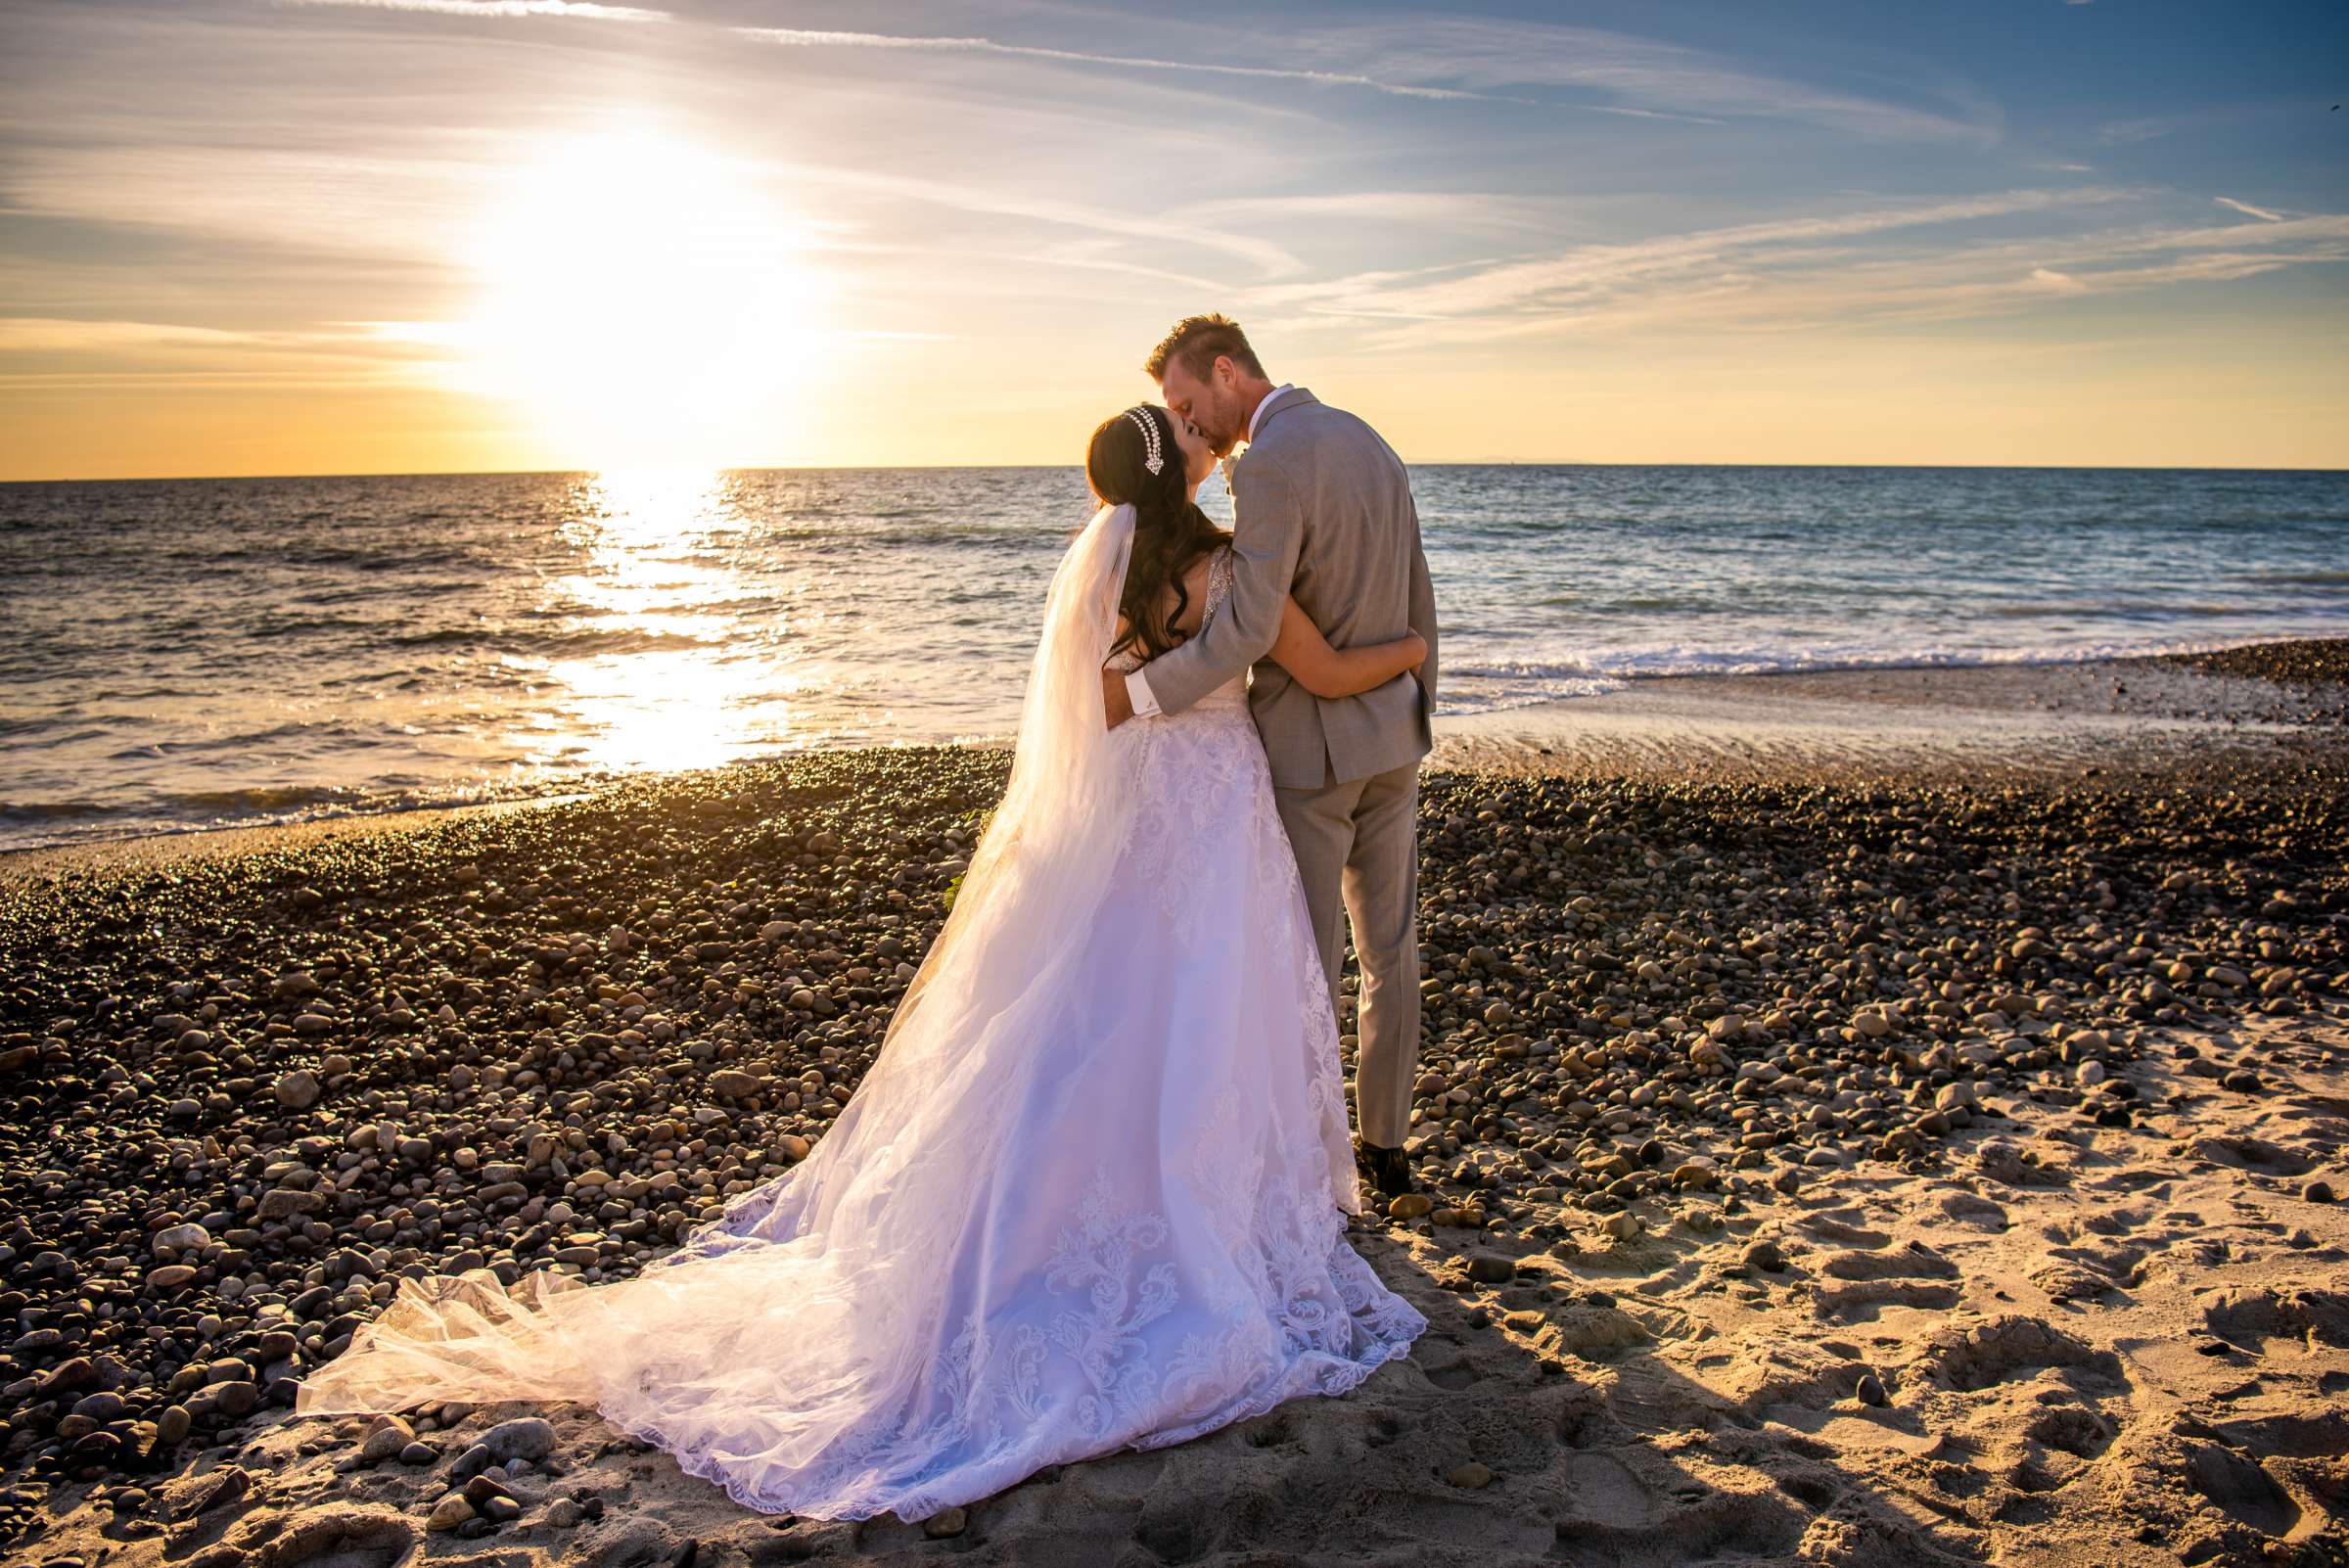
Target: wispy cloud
<point>323,202</point>
<point>1837,270</point>
<point>582,9</point>
<point>807,38</point>
<point>1174,230</point>
<point>2248,210</point>
<point>2122,132</point>
<point>58,354</point>
<point>1641,74</point>
<point>39,335</point>
<point>1585,272</point>
<point>1456,210</point>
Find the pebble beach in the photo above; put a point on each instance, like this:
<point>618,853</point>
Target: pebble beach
<point>1831,1150</point>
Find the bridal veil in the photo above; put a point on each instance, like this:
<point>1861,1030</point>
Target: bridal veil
<point>801,1267</point>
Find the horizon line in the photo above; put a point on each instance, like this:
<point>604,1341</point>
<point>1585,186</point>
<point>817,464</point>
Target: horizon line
<point>886,468</point>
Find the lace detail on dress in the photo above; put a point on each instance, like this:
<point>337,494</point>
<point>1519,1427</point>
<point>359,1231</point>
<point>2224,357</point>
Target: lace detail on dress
<point>1097,1258</point>
<point>1218,582</point>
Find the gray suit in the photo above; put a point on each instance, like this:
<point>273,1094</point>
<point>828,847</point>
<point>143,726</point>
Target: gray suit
<point>1325,513</point>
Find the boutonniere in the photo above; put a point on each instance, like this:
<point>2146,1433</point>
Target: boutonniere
<point>1224,465</point>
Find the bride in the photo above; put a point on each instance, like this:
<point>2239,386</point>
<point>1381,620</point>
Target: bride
<point>1088,1197</point>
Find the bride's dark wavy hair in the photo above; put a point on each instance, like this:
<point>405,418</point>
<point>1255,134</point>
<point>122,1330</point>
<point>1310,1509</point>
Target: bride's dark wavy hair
<point>1170,532</point>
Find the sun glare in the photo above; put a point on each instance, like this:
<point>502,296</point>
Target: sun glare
<point>643,303</point>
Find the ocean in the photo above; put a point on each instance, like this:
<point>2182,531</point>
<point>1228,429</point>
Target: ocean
<point>196,653</point>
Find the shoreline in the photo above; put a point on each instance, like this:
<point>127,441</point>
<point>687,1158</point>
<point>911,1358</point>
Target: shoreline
<point>2206,716</point>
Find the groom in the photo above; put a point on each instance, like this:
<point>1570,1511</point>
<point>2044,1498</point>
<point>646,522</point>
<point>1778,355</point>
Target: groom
<point>1323,510</point>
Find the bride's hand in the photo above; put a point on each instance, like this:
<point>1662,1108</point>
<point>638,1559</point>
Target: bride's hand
<point>1115,701</point>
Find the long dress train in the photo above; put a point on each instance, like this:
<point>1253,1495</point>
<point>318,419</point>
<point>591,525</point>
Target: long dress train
<point>1101,1207</point>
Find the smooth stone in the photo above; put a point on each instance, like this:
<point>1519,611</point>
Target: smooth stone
<point>529,1437</point>
<point>386,1441</point>
<point>449,1512</point>
<point>179,1238</point>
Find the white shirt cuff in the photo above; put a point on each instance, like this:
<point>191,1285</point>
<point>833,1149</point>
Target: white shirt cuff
<point>1137,691</point>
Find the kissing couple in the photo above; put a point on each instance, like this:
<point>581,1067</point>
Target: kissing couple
<point>1091,1193</point>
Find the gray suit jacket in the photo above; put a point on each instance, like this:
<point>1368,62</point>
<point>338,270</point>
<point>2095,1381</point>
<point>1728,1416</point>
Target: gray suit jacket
<point>1322,511</point>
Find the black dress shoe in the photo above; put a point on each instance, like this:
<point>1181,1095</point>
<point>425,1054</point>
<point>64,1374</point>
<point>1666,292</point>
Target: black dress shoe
<point>1389,1170</point>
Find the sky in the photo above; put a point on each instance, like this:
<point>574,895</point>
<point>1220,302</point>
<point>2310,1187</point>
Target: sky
<point>261,237</point>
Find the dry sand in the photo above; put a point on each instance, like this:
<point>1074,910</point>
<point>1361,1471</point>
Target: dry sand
<point>2075,1346</point>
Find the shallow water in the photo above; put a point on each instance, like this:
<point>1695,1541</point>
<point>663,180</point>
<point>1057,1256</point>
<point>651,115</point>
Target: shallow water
<point>198,652</point>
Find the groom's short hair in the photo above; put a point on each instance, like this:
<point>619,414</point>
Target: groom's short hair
<point>1198,341</point>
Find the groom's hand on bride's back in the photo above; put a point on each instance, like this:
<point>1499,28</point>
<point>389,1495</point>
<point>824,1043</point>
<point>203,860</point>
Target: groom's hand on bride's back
<point>1115,701</point>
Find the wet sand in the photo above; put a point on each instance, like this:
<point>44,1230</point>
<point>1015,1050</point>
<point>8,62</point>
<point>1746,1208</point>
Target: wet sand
<point>2206,716</point>
<point>2142,719</point>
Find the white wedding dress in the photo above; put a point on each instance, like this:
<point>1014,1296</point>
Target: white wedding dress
<point>1089,1196</point>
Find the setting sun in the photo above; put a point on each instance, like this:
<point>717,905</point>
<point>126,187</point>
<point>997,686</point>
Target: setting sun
<point>640,298</point>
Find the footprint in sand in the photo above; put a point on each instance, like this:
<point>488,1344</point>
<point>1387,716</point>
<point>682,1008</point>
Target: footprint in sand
<point>1445,1366</point>
<point>2249,1313</point>
<point>1276,1429</point>
<point>1845,1300</point>
<point>2117,1221</point>
<point>2323,1436</point>
<point>1715,1525</point>
<point>2072,1428</point>
<point>335,1538</point>
<point>2241,1487</point>
<point>2012,1166</point>
<point>1602,1490</point>
<point>1915,1275</point>
<point>1827,1227</point>
<point>2255,1155</point>
<point>1975,1213</point>
<point>1969,1360</point>
<point>2085,1274</point>
<point>1913,1262</point>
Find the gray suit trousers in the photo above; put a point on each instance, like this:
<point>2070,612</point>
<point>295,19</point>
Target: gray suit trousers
<point>1360,839</point>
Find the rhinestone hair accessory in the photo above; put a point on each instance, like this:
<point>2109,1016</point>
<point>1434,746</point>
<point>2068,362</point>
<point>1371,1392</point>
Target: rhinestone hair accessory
<point>1153,456</point>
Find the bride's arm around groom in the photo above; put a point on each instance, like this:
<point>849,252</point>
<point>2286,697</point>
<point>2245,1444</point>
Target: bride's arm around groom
<point>1323,510</point>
